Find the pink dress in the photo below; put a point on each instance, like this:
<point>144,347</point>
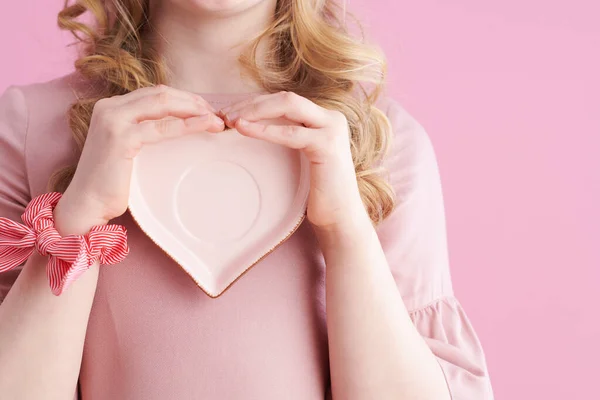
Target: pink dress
<point>154,335</point>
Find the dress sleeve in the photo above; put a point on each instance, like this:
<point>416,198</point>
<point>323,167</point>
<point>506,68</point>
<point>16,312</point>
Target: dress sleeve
<point>414,240</point>
<point>14,187</point>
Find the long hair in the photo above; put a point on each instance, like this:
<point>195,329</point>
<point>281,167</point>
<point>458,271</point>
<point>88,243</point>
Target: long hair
<point>311,53</point>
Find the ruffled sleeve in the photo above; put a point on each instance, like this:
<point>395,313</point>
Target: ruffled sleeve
<point>414,240</point>
<point>14,187</point>
<point>452,339</point>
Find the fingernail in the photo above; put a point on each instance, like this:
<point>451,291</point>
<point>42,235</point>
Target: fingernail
<point>242,122</point>
<point>232,116</point>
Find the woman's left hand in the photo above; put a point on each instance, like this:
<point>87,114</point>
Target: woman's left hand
<point>334,201</point>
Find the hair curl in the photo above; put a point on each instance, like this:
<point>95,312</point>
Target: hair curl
<point>311,53</point>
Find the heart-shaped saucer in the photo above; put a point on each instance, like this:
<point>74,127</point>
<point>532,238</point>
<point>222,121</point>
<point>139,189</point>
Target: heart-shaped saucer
<point>218,203</point>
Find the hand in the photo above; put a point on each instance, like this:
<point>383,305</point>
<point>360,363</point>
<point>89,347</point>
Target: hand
<point>119,127</point>
<point>334,202</point>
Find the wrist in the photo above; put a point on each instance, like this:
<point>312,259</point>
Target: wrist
<point>352,230</point>
<point>75,218</point>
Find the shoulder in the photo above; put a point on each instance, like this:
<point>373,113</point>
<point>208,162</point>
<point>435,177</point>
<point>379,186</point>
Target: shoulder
<point>397,114</point>
<point>37,114</point>
<point>411,159</point>
<point>405,127</point>
<point>39,104</point>
<point>51,98</point>
<point>65,86</point>
<point>410,141</point>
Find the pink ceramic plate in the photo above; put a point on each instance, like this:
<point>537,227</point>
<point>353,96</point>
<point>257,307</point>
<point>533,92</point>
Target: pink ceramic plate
<point>218,203</point>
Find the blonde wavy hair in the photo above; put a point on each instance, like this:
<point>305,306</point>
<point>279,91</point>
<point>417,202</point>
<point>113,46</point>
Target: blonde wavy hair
<point>311,53</point>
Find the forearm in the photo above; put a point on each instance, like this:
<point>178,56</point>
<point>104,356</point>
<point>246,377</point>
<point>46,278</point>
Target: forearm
<point>42,335</point>
<point>375,350</point>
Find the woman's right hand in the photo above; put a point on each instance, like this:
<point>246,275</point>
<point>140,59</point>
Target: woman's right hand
<point>119,127</point>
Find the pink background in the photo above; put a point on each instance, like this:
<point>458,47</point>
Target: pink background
<point>510,94</point>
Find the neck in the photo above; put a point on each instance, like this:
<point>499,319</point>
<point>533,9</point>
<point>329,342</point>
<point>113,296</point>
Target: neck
<point>202,48</point>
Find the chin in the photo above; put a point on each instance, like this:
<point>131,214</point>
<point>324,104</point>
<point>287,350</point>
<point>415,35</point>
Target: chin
<point>215,6</point>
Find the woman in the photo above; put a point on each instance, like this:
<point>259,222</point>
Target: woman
<point>373,250</point>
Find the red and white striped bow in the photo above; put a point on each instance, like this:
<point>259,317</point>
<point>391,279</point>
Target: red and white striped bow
<point>69,256</point>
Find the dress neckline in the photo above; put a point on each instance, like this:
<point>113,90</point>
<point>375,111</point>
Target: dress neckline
<point>228,98</point>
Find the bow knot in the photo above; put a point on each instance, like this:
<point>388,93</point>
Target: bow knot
<point>69,256</point>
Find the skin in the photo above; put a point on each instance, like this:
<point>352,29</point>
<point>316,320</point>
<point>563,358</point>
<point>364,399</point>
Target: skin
<point>375,351</point>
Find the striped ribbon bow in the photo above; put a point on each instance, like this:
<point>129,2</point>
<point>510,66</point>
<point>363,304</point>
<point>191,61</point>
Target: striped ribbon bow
<point>69,256</point>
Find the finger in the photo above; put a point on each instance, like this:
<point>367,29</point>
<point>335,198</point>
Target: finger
<point>292,136</point>
<point>154,90</point>
<point>214,124</point>
<point>244,103</point>
<point>281,105</point>
<point>160,106</point>
<point>151,131</point>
